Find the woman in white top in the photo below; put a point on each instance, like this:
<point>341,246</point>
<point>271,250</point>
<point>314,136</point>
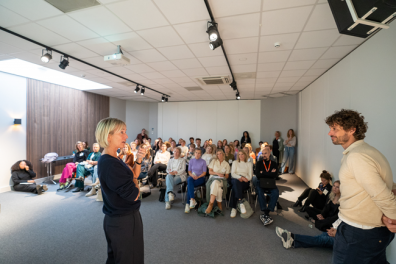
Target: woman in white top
<point>184,148</point>
<point>176,174</point>
<point>160,163</point>
<point>172,148</point>
<point>208,156</point>
<point>134,150</point>
<point>241,175</point>
<point>290,149</point>
<point>220,169</point>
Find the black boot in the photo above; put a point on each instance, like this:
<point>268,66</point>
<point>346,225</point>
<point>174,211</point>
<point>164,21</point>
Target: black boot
<point>302,210</point>
<point>77,189</point>
<point>297,203</point>
<point>39,189</point>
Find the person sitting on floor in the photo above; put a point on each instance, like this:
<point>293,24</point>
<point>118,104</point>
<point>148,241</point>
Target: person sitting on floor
<point>147,161</point>
<point>176,174</point>
<point>160,163</point>
<point>22,175</point>
<point>266,173</point>
<point>324,218</point>
<point>229,156</point>
<point>71,167</point>
<point>197,172</point>
<point>291,240</point>
<point>241,173</point>
<point>316,197</point>
<point>86,168</point>
<point>209,155</point>
<point>219,170</point>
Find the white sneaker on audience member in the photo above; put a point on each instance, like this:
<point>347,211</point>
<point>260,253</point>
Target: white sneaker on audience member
<point>99,198</point>
<point>287,240</point>
<point>171,197</point>
<point>167,205</point>
<point>91,192</point>
<point>193,203</point>
<point>242,207</point>
<point>233,212</point>
<point>279,231</point>
<point>187,210</point>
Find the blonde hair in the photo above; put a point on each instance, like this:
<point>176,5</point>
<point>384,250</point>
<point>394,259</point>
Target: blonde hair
<point>221,151</point>
<point>249,147</point>
<point>179,149</point>
<point>332,195</point>
<point>211,147</point>
<point>244,153</point>
<point>105,127</point>
<point>78,143</point>
<point>129,150</point>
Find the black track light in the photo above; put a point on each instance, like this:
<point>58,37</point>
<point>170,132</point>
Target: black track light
<point>214,37</point>
<point>142,91</point>
<point>233,85</point>
<point>238,97</point>
<point>215,44</point>
<point>213,33</point>
<point>46,55</point>
<point>136,89</point>
<point>64,62</point>
<point>163,99</point>
<point>166,99</point>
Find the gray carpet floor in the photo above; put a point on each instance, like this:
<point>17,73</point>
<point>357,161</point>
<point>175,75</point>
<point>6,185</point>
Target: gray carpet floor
<point>59,227</point>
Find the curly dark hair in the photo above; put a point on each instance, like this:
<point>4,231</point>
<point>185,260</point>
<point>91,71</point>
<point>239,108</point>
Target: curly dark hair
<point>349,119</point>
<point>15,167</point>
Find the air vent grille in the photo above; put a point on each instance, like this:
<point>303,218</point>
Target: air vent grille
<point>214,80</point>
<point>72,5</point>
<point>245,75</point>
<point>194,88</point>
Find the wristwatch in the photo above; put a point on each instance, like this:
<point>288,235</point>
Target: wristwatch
<point>138,163</point>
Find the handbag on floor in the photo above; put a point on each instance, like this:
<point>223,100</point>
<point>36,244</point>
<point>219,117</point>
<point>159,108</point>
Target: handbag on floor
<point>249,210</point>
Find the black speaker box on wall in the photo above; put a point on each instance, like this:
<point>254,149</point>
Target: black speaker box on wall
<point>377,11</point>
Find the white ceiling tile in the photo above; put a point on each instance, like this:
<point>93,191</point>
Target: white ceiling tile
<point>286,41</point>
<point>181,11</point>
<point>213,61</point>
<point>40,34</point>
<point>181,79</point>
<point>288,79</point>
<point>150,55</point>
<point>322,1</point>
<point>266,80</point>
<point>78,65</point>
<point>314,72</point>
<point>187,84</point>
<point>284,85</point>
<point>176,52</point>
<point>173,74</point>
<point>265,75</point>
<point>97,73</point>
<point>298,65</point>
<point>161,37</point>
<point>243,45</point>
<point>222,8</point>
<point>100,20</point>
<point>148,82</point>
<point>244,68</point>
<point>241,26</point>
<point>140,68</point>
<point>99,45</point>
<point>153,75</point>
<point>316,39</point>
<point>337,52</point>
<point>31,9</point>
<point>321,18</point>
<point>348,40</point>
<point>307,54</point>
<point>129,41</point>
<point>17,42</point>
<point>76,50</point>
<point>222,70</point>
<point>321,64</point>
<point>203,50</point>
<point>307,79</point>
<point>9,18</point>
<point>238,59</point>
<point>284,20</point>
<point>8,49</point>
<point>194,32</point>
<point>277,66</point>
<point>187,63</point>
<point>164,81</point>
<point>274,56</point>
<point>162,66</point>
<point>120,70</point>
<point>68,28</point>
<point>276,4</point>
<point>98,61</point>
<point>293,73</point>
<point>139,14</point>
<point>263,84</point>
<point>133,76</point>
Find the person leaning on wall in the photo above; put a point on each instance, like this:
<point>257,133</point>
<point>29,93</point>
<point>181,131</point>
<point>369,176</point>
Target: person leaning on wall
<point>22,175</point>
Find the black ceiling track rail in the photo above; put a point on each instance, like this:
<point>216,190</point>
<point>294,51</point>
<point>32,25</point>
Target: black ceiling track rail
<point>79,60</point>
<point>222,47</point>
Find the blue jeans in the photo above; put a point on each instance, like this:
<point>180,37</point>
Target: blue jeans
<point>191,184</point>
<point>288,154</point>
<point>322,240</point>
<point>81,171</point>
<point>142,175</point>
<point>354,245</point>
<point>95,174</point>
<point>273,193</point>
<point>171,181</point>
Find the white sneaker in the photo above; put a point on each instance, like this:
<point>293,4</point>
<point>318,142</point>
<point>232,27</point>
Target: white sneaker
<point>233,212</point>
<point>171,197</point>
<point>193,203</point>
<point>287,240</point>
<point>279,231</point>
<point>187,210</point>
<point>167,205</point>
<point>242,208</point>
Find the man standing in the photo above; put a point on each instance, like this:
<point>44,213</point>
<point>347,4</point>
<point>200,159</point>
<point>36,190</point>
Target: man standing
<point>367,203</point>
<point>142,135</point>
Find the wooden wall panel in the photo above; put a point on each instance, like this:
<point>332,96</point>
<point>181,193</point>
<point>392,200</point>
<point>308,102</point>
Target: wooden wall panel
<point>58,117</point>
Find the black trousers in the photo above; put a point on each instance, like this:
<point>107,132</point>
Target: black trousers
<point>25,188</point>
<point>124,235</point>
<point>237,191</point>
<point>324,224</point>
<point>276,154</point>
<point>153,173</point>
<point>313,198</point>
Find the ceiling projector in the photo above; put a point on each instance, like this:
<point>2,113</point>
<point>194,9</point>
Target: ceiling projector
<point>117,59</point>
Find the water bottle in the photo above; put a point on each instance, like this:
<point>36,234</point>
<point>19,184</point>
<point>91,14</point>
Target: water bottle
<point>310,226</point>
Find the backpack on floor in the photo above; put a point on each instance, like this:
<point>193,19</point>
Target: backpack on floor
<point>162,195</point>
<point>249,210</point>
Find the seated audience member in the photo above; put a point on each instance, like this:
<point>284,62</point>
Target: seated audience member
<point>22,173</point>
<point>219,170</point>
<point>158,145</point>
<point>210,141</point>
<point>316,197</point>
<point>251,153</point>
<point>225,142</point>
<point>138,143</point>
<point>71,167</point>
<point>134,151</point>
<point>250,159</point>
<point>291,240</point>
<point>220,145</point>
<point>176,174</point>
<point>127,156</point>
<point>206,144</point>
<point>142,135</point>
<point>147,161</point>
<point>170,140</point>
<point>259,148</point>
<point>184,148</point>
<point>229,156</point>
<point>198,145</point>
<point>179,142</point>
<point>95,185</point>
<point>172,148</point>
<point>86,146</point>
<point>246,138</point>
<point>236,148</point>
<point>209,155</point>
<point>231,145</point>
<point>190,155</point>
<point>86,168</point>
<point>272,157</point>
<point>168,144</point>
<point>149,141</point>
<point>197,172</point>
<point>266,173</point>
<point>191,142</point>
<point>324,218</point>
<point>160,163</point>
<point>241,175</point>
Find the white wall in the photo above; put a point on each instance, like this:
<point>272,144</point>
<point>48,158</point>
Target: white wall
<point>363,81</point>
<point>117,108</point>
<point>210,119</point>
<point>12,137</point>
<point>153,121</point>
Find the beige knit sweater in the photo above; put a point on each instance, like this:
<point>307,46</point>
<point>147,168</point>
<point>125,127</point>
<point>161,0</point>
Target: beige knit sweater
<point>366,186</point>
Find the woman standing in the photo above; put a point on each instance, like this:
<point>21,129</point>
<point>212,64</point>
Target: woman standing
<point>122,223</point>
<point>290,146</point>
<point>277,146</point>
<point>245,138</point>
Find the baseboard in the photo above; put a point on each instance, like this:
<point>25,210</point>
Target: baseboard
<point>5,188</point>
